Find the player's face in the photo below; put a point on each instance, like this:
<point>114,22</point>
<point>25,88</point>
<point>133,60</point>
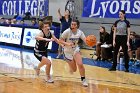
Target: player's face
<point>46,27</point>
<point>112,28</point>
<point>121,15</point>
<point>101,30</point>
<point>73,25</point>
<point>132,35</point>
<point>67,13</point>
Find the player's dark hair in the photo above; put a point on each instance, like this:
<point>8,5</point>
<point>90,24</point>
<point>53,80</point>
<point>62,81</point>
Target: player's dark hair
<point>77,21</point>
<point>69,12</point>
<point>103,28</point>
<point>123,13</point>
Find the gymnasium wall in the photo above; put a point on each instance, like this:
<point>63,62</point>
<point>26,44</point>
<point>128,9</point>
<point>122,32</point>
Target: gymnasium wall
<point>54,5</point>
<point>89,25</point>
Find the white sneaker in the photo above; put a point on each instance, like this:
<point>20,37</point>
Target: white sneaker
<point>50,80</point>
<point>84,83</point>
<point>58,56</point>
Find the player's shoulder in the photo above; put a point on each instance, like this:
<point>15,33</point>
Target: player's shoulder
<point>40,33</point>
<point>67,30</point>
<point>117,21</point>
<point>126,21</point>
<point>79,31</point>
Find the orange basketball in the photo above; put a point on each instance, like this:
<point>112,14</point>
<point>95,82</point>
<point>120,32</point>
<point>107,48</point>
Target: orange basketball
<point>91,40</point>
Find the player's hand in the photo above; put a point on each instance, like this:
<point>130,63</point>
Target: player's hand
<point>114,43</point>
<point>51,39</point>
<point>129,49</point>
<point>70,44</point>
<point>98,42</point>
<point>128,44</point>
<point>59,10</point>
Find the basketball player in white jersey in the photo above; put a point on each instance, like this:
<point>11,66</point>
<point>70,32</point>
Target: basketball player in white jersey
<point>69,39</point>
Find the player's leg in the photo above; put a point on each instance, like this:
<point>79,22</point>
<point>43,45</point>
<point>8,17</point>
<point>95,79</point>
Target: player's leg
<point>78,60</point>
<point>72,66</point>
<point>68,56</point>
<point>126,57</point>
<point>138,53</point>
<point>98,51</point>
<point>59,51</point>
<point>42,57</point>
<point>48,67</point>
<point>39,56</point>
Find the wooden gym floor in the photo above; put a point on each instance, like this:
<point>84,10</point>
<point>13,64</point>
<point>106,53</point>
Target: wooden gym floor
<point>17,76</point>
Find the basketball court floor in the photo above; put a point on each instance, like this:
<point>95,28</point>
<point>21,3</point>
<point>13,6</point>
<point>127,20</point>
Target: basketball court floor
<point>18,76</point>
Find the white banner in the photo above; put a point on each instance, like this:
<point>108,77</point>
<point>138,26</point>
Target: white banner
<point>29,37</point>
<point>10,35</point>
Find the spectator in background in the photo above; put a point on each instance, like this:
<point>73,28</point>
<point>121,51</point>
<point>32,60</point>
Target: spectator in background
<point>138,46</point>
<point>111,42</point>
<point>17,17</point>
<point>27,16</point>
<point>23,23</point>
<point>2,20</point>
<point>40,21</point>
<point>65,24</point>
<point>33,21</point>
<point>104,39</point>
<point>13,21</point>
<point>134,46</point>
<point>8,21</point>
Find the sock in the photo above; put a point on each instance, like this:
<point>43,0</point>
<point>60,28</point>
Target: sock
<point>82,78</point>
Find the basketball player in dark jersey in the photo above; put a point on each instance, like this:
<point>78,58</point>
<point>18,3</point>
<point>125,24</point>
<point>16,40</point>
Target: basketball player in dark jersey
<point>40,50</point>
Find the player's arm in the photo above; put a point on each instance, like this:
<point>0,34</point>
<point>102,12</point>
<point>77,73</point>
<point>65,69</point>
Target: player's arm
<point>114,36</point>
<point>55,39</point>
<point>63,38</point>
<point>40,37</point>
<point>128,34</point>
<point>59,14</point>
<point>83,37</point>
<point>62,41</point>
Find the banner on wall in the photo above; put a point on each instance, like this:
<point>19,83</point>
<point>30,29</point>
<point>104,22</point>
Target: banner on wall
<point>13,7</point>
<point>10,35</point>
<point>111,8</point>
<point>29,37</point>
